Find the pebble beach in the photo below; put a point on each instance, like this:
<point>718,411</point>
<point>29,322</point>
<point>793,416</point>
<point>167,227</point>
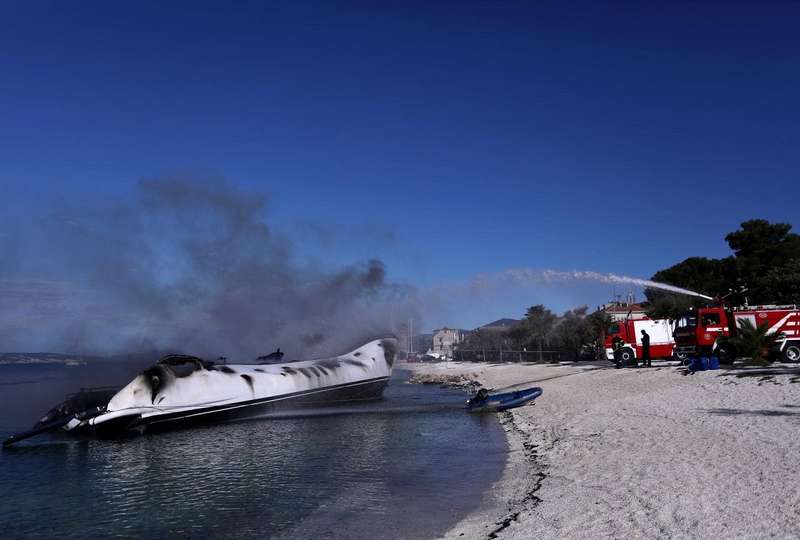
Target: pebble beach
<point>647,453</point>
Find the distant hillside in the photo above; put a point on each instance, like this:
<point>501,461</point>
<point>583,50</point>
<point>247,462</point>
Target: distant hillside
<point>44,358</point>
<point>501,324</point>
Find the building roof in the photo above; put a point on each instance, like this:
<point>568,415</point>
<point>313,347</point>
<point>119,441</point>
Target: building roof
<point>620,311</point>
<point>448,329</point>
<point>623,308</point>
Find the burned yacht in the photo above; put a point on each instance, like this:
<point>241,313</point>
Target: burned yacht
<point>180,390</point>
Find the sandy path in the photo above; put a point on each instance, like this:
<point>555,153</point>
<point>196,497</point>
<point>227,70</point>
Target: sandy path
<point>643,453</point>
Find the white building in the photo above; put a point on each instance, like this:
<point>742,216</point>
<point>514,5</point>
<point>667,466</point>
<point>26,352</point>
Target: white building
<point>619,311</point>
<point>444,339</point>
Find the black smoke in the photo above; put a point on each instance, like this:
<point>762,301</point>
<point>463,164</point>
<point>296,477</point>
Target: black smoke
<point>184,265</point>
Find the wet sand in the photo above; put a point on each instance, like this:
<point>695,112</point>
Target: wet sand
<point>608,453</point>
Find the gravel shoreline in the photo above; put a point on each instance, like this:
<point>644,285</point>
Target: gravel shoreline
<point>640,452</point>
<point>516,491</point>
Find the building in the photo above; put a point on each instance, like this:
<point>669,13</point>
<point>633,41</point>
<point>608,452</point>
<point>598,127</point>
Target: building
<point>444,339</point>
<point>620,311</point>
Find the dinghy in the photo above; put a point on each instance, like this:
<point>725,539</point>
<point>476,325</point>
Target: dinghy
<point>486,402</point>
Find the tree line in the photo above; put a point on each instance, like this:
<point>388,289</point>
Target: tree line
<point>763,268</point>
<point>573,333</point>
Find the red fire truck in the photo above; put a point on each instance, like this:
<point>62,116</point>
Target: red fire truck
<point>623,342</point>
<point>701,331</point>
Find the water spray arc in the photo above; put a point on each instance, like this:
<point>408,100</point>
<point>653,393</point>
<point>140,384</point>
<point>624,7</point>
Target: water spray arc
<point>529,276</point>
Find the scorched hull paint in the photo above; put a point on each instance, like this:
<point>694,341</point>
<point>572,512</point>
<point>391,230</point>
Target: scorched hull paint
<point>362,391</point>
<point>183,390</point>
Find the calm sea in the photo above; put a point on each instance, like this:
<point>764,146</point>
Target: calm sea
<point>409,466</point>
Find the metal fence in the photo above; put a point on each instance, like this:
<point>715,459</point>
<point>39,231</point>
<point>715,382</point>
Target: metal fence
<point>487,355</point>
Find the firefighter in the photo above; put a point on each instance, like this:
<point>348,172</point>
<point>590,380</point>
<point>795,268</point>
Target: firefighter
<point>616,345</point>
<point>646,350</point>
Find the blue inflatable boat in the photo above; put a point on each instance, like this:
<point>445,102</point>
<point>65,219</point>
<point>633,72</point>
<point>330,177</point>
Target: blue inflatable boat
<point>486,402</point>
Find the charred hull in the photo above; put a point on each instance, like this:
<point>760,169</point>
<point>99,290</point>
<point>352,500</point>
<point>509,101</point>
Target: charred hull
<point>362,391</point>
<point>182,390</point>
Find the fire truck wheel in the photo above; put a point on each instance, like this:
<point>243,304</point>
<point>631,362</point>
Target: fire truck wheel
<point>626,356</point>
<point>792,353</point>
<point>726,355</point>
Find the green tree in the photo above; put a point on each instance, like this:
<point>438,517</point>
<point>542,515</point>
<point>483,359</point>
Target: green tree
<point>767,258</point>
<point>482,339</point>
<point>670,306</point>
<point>765,242</point>
<point>534,329</point>
<point>711,277</point>
<point>572,331</point>
<point>764,268</point>
<point>598,324</point>
<point>754,342</point>
<point>783,283</point>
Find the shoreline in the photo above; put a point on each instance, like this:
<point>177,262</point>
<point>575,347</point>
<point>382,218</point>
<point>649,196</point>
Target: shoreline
<point>640,452</point>
<point>516,490</point>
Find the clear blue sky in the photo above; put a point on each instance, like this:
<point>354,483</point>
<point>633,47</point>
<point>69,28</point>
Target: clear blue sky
<point>444,138</point>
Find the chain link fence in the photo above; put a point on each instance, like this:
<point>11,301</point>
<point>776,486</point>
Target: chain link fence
<point>487,355</point>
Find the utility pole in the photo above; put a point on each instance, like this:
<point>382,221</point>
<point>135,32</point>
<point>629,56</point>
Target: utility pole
<point>411,335</point>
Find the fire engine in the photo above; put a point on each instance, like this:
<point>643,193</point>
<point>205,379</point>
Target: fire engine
<point>623,341</point>
<point>700,332</point>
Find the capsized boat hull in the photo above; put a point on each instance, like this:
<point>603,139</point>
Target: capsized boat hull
<point>182,390</point>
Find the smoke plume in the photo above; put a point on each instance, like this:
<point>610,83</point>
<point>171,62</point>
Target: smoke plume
<point>184,265</point>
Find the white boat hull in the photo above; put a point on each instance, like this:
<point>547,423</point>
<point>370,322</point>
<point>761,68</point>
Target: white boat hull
<point>182,390</point>
<point>226,390</point>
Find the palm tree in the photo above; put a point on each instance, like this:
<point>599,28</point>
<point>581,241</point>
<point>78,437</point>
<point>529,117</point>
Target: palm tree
<point>754,342</point>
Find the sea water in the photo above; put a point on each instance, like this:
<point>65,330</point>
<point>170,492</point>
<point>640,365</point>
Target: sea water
<point>408,466</point>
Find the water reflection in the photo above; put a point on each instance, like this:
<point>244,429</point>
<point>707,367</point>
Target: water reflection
<point>334,476</point>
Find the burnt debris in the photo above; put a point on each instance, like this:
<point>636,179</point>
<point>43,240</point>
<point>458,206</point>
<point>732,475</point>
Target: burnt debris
<point>271,358</point>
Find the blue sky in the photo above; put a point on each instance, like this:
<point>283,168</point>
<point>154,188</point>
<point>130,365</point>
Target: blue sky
<point>446,139</point>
